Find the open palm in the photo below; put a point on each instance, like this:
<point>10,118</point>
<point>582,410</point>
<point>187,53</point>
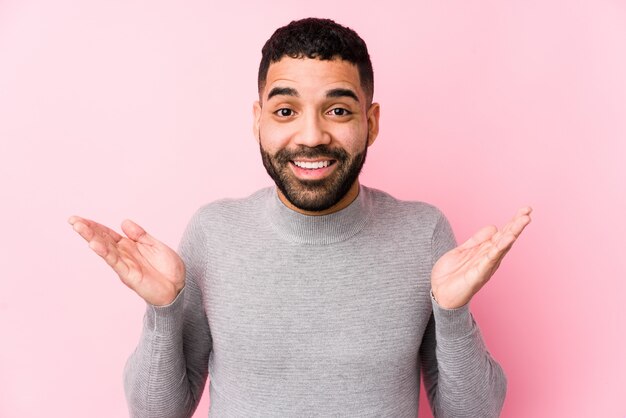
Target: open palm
<point>463,271</point>
<point>149,267</point>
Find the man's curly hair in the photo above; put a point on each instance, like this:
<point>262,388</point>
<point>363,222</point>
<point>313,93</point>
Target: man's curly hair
<point>321,39</point>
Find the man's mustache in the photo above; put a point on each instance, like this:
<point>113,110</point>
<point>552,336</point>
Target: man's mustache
<point>321,151</point>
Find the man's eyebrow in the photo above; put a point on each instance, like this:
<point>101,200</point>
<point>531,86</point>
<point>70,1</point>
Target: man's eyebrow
<point>339,92</point>
<point>282,91</point>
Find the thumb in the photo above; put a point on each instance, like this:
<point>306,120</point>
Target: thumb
<point>137,233</point>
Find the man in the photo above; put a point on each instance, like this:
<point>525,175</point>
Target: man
<point>319,297</point>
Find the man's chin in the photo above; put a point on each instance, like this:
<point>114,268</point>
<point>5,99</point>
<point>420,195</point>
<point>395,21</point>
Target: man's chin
<point>311,200</point>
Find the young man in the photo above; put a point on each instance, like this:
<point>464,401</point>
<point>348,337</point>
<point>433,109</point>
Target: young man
<point>319,297</point>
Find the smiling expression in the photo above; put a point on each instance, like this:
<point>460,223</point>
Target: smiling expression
<point>314,125</point>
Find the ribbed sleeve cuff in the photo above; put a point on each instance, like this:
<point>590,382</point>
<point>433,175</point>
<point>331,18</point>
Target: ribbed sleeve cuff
<point>165,319</point>
<point>452,323</point>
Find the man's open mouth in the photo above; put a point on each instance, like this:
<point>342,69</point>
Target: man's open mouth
<point>313,165</point>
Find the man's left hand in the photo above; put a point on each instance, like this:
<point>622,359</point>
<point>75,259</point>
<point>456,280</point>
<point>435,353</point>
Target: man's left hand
<point>463,271</point>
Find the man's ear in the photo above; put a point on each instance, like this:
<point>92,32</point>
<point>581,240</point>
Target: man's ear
<point>373,115</point>
<point>256,119</point>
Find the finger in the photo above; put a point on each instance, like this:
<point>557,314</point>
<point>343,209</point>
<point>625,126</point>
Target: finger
<point>499,250</point>
<point>98,237</point>
<point>99,247</point>
<point>73,219</point>
<point>514,228</point>
<point>516,225</point>
<point>96,227</point>
<point>489,262</point>
<point>479,237</point>
<point>96,242</point>
<point>110,252</point>
<point>137,233</point>
<point>522,215</point>
<point>502,246</point>
<point>83,230</point>
<point>501,243</point>
<point>520,224</point>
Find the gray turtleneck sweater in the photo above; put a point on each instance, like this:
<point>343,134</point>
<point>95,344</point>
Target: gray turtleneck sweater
<point>298,316</point>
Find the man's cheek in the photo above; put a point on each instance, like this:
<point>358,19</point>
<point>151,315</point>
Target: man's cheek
<point>353,140</point>
<point>275,138</point>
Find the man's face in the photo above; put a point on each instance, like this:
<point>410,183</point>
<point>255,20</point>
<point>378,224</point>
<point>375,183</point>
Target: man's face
<point>314,127</point>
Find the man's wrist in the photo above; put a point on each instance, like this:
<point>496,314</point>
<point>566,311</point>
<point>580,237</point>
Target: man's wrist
<point>445,303</point>
<point>167,318</point>
<point>451,323</point>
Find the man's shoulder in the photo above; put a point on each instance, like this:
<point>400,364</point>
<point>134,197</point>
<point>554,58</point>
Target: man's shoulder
<point>232,210</point>
<point>410,221</point>
<point>228,205</point>
<point>384,204</point>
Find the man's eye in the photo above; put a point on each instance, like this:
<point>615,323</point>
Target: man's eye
<point>339,111</point>
<point>284,112</point>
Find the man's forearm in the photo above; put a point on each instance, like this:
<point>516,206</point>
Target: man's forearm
<point>469,382</point>
<point>156,379</point>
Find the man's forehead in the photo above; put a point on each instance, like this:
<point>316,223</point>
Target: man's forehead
<point>310,74</point>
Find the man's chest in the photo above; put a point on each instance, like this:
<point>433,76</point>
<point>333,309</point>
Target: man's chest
<point>285,308</point>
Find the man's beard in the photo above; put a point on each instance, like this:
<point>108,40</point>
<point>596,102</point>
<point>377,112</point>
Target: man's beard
<point>314,195</point>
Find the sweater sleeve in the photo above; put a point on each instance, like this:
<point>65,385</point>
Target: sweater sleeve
<point>166,374</point>
<point>460,376</point>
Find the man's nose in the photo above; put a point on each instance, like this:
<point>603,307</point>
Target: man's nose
<point>311,131</point>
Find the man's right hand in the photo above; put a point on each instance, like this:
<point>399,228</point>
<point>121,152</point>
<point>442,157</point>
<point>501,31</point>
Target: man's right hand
<point>149,267</point>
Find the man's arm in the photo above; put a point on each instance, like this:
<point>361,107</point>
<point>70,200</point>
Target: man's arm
<point>166,374</point>
<point>460,376</point>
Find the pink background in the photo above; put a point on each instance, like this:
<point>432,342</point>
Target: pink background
<point>142,109</point>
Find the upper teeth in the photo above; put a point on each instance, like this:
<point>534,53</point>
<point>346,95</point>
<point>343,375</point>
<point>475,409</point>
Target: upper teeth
<point>312,164</point>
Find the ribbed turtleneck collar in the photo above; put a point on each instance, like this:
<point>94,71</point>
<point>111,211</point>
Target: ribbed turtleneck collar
<point>319,230</point>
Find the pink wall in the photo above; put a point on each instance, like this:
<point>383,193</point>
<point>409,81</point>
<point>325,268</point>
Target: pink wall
<point>114,109</point>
